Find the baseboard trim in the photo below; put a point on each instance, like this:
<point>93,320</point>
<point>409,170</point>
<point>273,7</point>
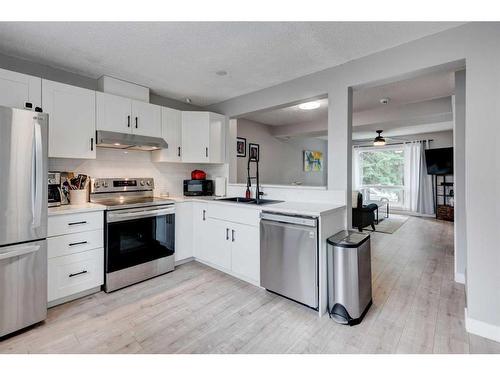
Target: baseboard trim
<point>480,328</point>
<point>459,278</point>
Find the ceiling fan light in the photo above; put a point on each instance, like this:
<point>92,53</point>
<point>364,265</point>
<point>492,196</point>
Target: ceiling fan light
<point>379,140</point>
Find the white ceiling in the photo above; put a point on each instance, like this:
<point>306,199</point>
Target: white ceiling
<point>424,87</point>
<point>291,115</point>
<point>179,60</point>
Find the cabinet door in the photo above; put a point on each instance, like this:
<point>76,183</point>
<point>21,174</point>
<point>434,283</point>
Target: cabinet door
<point>195,137</point>
<point>113,113</point>
<point>71,120</point>
<point>171,131</point>
<point>199,228</point>
<point>245,251</point>
<point>16,89</point>
<point>217,149</point>
<point>146,119</point>
<point>217,244</point>
<point>183,231</point>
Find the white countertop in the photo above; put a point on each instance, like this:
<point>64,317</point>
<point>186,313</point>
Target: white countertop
<point>75,208</point>
<point>289,207</point>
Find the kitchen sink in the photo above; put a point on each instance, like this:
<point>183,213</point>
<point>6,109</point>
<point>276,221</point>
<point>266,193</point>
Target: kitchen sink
<point>249,200</point>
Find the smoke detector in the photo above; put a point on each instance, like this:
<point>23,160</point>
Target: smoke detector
<point>385,100</point>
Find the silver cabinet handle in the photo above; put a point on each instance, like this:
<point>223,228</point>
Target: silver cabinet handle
<point>206,152</point>
<point>204,215</point>
<point>232,235</point>
<point>227,234</point>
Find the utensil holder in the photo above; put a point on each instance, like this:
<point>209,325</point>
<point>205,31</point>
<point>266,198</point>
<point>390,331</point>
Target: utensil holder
<point>77,197</point>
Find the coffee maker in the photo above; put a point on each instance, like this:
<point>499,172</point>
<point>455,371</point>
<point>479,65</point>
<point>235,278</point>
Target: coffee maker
<point>54,188</point>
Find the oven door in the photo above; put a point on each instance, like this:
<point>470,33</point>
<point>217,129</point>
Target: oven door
<point>140,235</point>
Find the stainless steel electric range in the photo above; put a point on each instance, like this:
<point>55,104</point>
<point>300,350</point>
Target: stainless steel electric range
<point>139,235</point>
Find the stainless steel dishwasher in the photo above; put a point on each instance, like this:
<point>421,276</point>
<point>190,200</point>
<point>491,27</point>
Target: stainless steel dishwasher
<point>289,256</point>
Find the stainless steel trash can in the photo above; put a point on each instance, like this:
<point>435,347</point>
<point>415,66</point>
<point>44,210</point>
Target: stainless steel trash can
<point>349,276</point>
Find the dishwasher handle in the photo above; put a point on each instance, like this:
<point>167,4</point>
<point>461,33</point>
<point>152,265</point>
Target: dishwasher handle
<point>290,219</point>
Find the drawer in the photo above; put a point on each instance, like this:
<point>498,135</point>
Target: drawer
<point>75,243</point>
<point>75,273</point>
<point>227,212</point>
<point>73,223</point>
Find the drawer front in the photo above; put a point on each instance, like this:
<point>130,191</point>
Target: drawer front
<point>75,243</point>
<point>75,273</point>
<point>73,223</point>
<point>228,212</point>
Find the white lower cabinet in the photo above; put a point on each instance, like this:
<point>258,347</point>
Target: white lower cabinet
<point>75,255</point>
<point>183,231</point>
<point>75,273</point>
<point>227,245</point>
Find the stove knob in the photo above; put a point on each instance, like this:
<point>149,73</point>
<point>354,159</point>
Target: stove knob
<point>105,184</point>
<point>148,183</point>
<point>142,183</point>
<point>96,184</point>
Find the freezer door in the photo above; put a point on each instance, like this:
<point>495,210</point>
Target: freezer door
<point>23,175</point>
<point>23,285</point>
<point>289,261</point>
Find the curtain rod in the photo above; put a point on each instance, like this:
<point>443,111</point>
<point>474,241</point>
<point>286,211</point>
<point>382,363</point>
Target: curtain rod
<point>395,144</point>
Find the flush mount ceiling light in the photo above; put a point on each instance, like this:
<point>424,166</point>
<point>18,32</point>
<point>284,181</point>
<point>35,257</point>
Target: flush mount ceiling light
<point>309,105</point>
<point>385,100</point>
<point>188,100</point>
<point>379,140</point>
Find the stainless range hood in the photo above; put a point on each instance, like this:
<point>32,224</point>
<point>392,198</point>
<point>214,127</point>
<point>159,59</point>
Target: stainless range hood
<point>129,141</point>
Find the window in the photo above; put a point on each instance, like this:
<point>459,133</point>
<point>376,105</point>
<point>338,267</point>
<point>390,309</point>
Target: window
<point>379,174</point>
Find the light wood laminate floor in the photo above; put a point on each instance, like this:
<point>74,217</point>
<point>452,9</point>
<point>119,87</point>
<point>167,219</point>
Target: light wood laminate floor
<point>418,308</point>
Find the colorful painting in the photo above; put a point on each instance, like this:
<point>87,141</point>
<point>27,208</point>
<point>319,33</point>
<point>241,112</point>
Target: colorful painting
<point>313,161</point>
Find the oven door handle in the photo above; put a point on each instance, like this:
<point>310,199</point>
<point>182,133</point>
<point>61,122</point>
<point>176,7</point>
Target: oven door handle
<point>114,217</point>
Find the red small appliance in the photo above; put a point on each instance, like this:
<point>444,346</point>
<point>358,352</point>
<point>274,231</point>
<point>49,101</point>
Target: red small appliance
<point>198,175</point>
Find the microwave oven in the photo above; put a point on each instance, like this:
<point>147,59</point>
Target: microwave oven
<point>198,187</point>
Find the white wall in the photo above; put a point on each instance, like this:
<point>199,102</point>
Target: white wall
<point>281,161</point>
<point>115,163</point>
<point>473,44</point>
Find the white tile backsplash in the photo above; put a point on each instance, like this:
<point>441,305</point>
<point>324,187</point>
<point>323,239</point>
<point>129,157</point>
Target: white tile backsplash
<point>119,163</point>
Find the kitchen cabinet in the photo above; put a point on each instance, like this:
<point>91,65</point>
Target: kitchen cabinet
<point>203,137</point>
<point>72,120</point>
<point>171,131</point>
<point>17,89</point>
<point>245,251</point>
<point>230,246</point>
<point>124,115</point>
<point>75,252</point>
<point>183,231</point>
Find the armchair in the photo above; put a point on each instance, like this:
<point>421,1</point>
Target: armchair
<point>362,216</point>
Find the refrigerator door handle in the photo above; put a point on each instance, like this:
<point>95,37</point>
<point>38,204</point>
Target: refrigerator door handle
<point>18,251</point>
<point>37,176</point>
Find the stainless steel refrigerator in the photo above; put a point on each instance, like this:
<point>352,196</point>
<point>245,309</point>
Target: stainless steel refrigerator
<point>23,218</point>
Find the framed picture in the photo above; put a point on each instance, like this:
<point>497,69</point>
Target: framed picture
<point>253,151</point>
<point>241,147</point>
<point>313,161</point>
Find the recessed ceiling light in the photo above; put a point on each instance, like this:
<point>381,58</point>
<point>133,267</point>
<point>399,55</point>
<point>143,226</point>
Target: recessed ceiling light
<point>221,73</point>
<point>117,144</point>
<point>309,105</point>
<point>385,100</point>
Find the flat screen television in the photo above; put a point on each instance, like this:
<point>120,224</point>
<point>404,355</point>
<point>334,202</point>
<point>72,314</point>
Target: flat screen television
<point>439,161</point>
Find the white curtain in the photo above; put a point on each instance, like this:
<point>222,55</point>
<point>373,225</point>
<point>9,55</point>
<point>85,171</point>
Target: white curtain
<point>412,175</point>
<point>356,173</point>
<point>419,195</point>
<point>425,203</point>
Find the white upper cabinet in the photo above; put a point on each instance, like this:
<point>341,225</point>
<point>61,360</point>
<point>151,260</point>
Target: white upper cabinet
<point>203,137</point>
<point>113,113</point>
<point>124,115</point>
<point>171,131</point>
<point>146,119</point>
<point>17,89</point>
<point>71,120</point>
